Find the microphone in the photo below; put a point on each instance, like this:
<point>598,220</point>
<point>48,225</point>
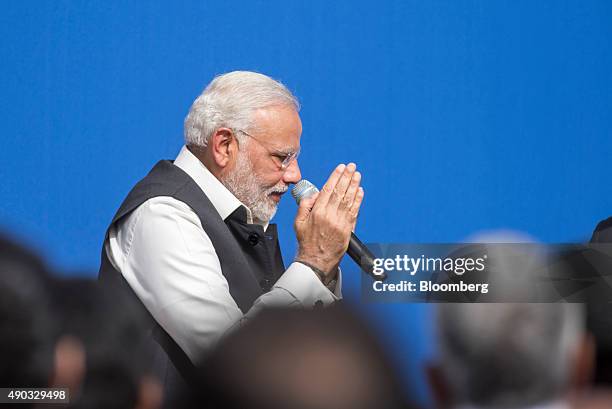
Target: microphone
<point>356,249</point>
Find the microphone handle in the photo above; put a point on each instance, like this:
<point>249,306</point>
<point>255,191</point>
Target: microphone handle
<point>362,256</point>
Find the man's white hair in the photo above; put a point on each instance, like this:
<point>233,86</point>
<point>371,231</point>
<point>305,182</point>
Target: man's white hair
<point>230,101</point>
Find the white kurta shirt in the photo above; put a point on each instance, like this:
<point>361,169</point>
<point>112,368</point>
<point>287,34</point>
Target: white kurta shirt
<point>167,258</point>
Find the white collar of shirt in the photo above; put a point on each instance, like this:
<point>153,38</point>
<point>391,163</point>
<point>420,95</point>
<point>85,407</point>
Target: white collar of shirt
<point>221,198</point>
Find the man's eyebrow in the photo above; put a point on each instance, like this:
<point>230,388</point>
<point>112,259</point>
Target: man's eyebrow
<point>285,151</point>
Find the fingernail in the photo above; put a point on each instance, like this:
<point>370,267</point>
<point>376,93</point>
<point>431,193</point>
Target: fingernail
<point>361,190</point>
<point>352,166</point>
<point>341,167</point>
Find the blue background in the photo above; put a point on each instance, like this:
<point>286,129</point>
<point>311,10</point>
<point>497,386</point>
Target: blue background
<point>462,115</point>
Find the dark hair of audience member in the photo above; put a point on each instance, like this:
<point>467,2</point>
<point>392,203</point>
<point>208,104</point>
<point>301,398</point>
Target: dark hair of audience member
<point>326,358</point>
<point>109,331</point>
<point>599,319</point>
<point>26,326</point>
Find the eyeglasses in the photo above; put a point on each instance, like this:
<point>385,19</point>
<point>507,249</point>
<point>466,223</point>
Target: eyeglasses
<point>285,158</point>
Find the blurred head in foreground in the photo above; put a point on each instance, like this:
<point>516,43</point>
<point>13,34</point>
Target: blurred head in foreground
<point>301,360</point>
<point>599,319</point>
<point>600,398</point>
<point>100,354</point>
<point>69,333</point>
<point>26,326</point>
<point>510,355</point>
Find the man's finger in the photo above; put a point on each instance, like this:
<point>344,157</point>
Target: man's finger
<point>351,192</point>
<point>344,182</point>
<point>329,186</point>
<point>305,208</point>
<point>354,210</point>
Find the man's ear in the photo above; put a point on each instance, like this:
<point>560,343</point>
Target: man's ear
<point>438,386</point>
<point>223,147</point>
<point>150,394</point>
<point>584,364</point>
<point>69,367</point>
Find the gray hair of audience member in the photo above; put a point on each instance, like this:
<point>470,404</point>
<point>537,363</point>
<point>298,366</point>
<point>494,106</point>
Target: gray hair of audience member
<point>230,101</point>
<point>508,355</point>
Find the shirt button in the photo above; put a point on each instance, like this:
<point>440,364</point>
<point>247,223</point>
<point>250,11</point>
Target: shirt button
<point>253,239</point>
<point>266,284</point>
<point>318,304</point>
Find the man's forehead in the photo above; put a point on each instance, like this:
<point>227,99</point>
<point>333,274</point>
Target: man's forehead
<point>280,125</point>
<point>277,115</point>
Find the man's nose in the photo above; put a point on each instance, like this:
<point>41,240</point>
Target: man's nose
<point>292,173</point>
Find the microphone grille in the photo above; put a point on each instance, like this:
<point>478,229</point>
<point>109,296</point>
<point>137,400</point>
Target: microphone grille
<point>302,190</point>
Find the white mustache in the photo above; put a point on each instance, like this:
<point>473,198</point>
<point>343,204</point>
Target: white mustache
<point>278,190</point>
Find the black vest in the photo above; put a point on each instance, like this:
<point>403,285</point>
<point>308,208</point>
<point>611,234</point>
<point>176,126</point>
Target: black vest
<point>250,259</point>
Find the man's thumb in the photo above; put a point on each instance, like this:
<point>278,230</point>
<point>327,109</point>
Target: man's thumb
<point>305,208</point>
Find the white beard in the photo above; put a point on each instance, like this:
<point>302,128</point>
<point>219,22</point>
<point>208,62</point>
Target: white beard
<point>247,187</point>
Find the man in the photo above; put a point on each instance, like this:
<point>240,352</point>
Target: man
<point>27,325</point>
<point>510,355</point>
<point>603,232</point>
<point>57,333</point>
<point>193,240</point>
<point>598,313</point>
<point>100,349</point>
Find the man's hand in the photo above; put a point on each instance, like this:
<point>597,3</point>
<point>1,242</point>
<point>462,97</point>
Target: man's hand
<point>324,222</point>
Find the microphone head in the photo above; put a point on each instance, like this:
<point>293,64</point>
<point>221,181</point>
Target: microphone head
<point>302,190</point>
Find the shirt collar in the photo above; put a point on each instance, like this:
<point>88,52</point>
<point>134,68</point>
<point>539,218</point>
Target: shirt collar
<point>221,198</point>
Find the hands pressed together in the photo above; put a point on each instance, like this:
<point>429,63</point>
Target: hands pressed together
<point>324,221</point>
